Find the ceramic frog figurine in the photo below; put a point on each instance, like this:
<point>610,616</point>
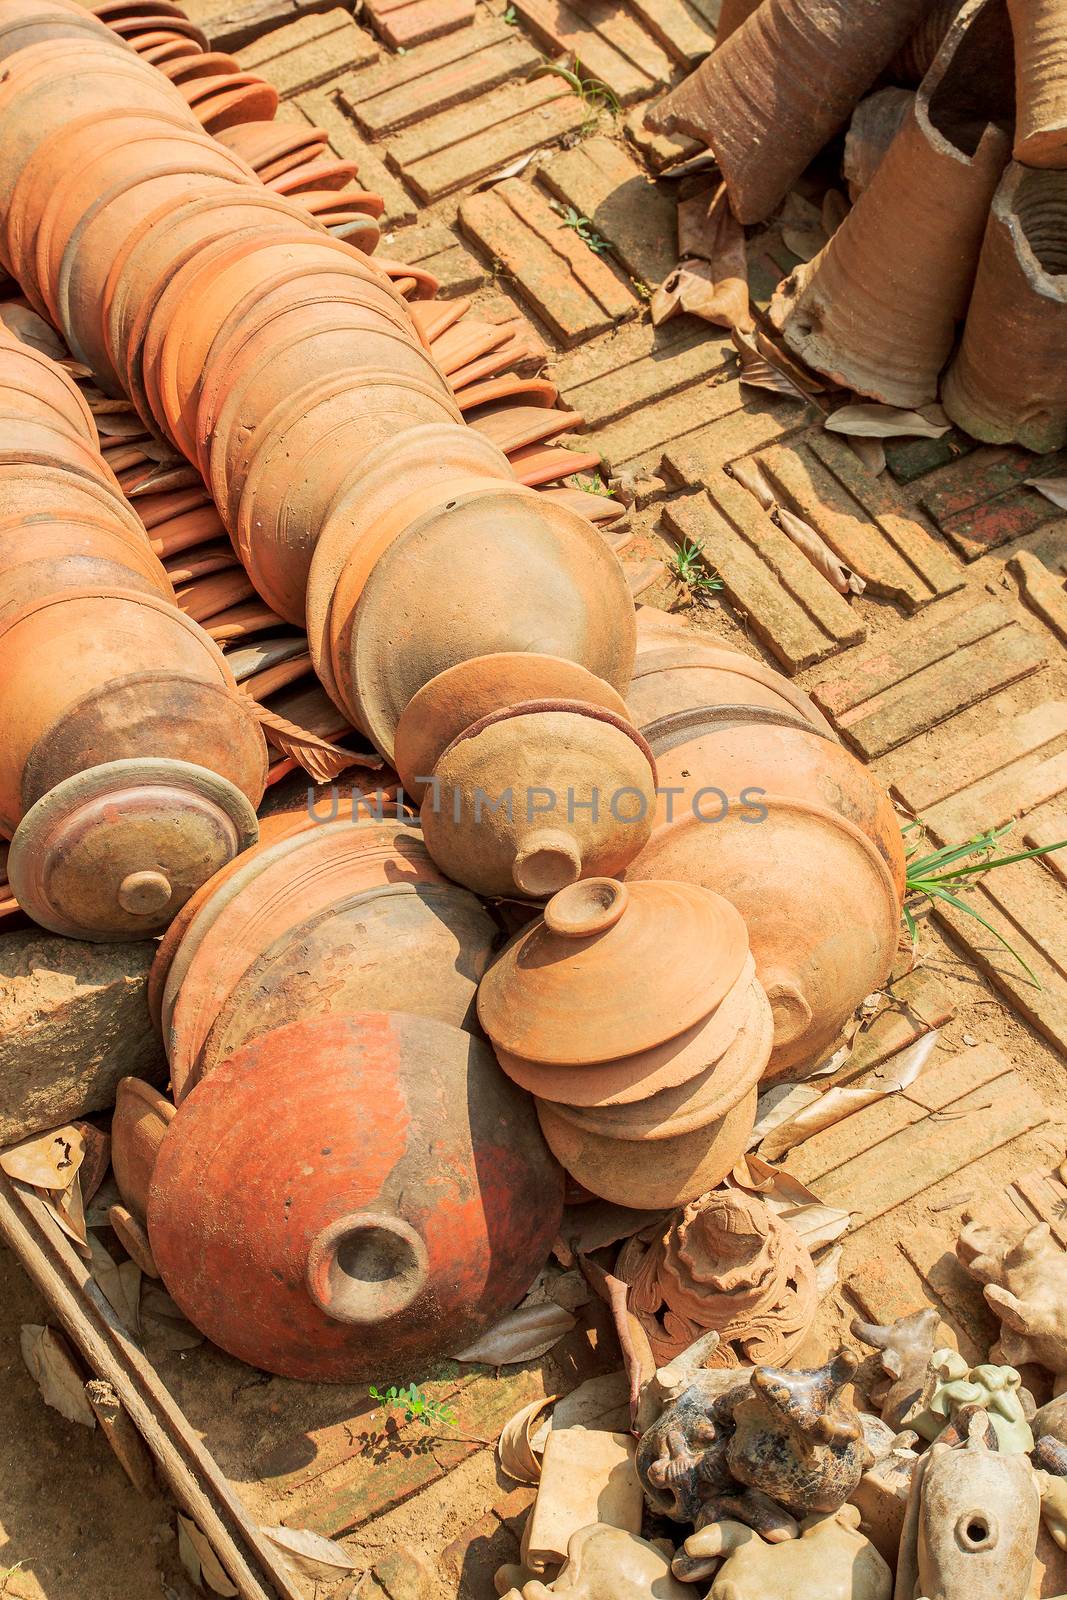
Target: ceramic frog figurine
<point>953,1385</point>
<point>831,1560</point>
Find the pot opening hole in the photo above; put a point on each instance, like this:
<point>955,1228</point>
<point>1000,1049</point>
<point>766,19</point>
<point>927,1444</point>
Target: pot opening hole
<point>587,907</point>
<point>367,1269</point>
<point>1041,207</point>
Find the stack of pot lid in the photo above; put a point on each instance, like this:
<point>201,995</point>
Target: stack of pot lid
<point>633,1013</point>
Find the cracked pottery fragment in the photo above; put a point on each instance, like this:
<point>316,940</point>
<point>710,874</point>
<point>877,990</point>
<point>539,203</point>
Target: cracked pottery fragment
<point>901,1364</point>
<point>587,1477</point>
<point>882,1496</point>
<point>952,1386</point>
<point>797,1440</point>
<point>1025,1282</point>
<point>971,1527</point>
<point>606,1563</point>
<point>830,1560</point>
<point>727,1263</point>
<point>1051,1420</point>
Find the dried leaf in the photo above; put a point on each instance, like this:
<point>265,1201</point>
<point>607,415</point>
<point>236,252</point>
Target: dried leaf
<point>638,1360</point>
<point>827,1269</point>
<point>712,282</point>
<point>52,1367</point>
<point>873,421</point>
<point>601,1403</point>
<point>802,227</point>
<point>69,1210</point>
<point>514,1448</point>
<point>779,1105</point>
<point>818,552</point>
<point>875,124</point>
<point>817,1226</point>
<point>750,477</point>
<point>586,1229</point>
<point>522,1335</point>
<point>199,1559</point>
<point>33,330</point>
<point>312,1553</point>
<point>758,371</point>
<point>840,1102</point>
<point>870,451</point>
<point>48,1160</point>
<point>119,1285</point>
<point>162,1325</point>
<point>1054,489</point>
<point>512,170</point>
<point>835,208</point>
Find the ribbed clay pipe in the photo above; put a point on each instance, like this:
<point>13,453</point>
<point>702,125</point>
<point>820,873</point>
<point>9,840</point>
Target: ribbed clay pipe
<point>1040,29</point>
<point>911,64</point>
<point>731,15</point>
<point>877,308</point>
<point>780,87</point>
<point>1008,382</point>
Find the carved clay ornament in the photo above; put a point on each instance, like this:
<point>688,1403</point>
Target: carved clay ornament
<point>899,1369</point>
<point>605,1563</point>
<point>971,1528</point>
<point>797,1440</point>
<point>728,1264</point>
<point>1025,1283</point>
<point>831,1561</point>
<point>952,1386</point>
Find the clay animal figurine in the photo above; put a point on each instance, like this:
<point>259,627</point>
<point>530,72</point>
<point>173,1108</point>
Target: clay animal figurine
<point>831,1560</point>
<point>1051,1419</point>
<point>882,1496</point>
<point>1025,1282</point>
<point>605,1563</point>
<point>797,1440</point>
<point>952,1386</point>
<point>728,1263</point>
<point>971,1527</point>
<point>900,1366</point>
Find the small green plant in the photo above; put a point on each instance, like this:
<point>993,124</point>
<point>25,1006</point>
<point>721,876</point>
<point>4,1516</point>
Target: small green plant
<point>417,1405</point>
<point>690,570</point>
<point>583,227</point>
<point>511,17</point>
<point>591,485</point>
<point>641,289</point>
<point>594,94</point>
<point>943,874</point>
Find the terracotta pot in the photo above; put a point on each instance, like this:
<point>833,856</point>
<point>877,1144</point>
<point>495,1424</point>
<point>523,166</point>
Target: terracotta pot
<point>678,670</point>
<point>35,441</point>
<point>67,495</point>
<point>877,308</point>
<point>657,1174</point>
<point>45,23</point>
<point>69,561</point>
<point>552,997</point>
<point>134,678</point>
<point>423,946</point>
<point>685,1059</point>
<point>298,876</point>
<point>27,372</point>
<point>369,509</point>
<point>777,795</point>
<point>555,588</point>
<point>477,688</point>
<point>1040,30</point>
<point>115,850</point>
<point>537,795</point>
<point>432,1210</point>
<point>1018,306</point>
<point>142,1117</point>
<point>780,86</point>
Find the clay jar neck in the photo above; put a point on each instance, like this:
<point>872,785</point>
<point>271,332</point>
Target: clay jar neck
<point>366,1268</point>
<point>585,909</point>
<point>547,860</point>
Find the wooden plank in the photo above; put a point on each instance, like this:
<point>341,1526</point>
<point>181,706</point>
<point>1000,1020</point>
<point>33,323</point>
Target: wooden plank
<point>600,181</point>
<point>928,1152</point>
<point>608,43</point>
<point>887,666</point>
<point>639,366</point>
<point>775,618</point>
<point>865,1130</point>
<point>940,691</point>
<point>304,54</point>
<point>959,764</point>
<point>999,798</point>
<point>406,23</point>
<point>435,77</point>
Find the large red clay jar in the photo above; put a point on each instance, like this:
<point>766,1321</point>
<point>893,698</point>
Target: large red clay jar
<point>780,86</point>
<point>795,833</point>
<point>352,1196</point>
<point>877,308</point>
<point>1008,381</point>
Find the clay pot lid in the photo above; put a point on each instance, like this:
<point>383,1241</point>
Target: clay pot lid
<point>513,427</point>
<point>359,230</point>
<point>213,64</point>
<point>611,969</point>
<point>601,509</point>
<point>157,20</point>
<point>114,851</point>
<point>133,1237</point>
<point>313,176</point>
<point>240,102</point>
<point>261,142</point>
<point>425,284</point>
<point>471,690</point>
<point>170,50</point>
<point>536,392</point>
<point>535,464</point>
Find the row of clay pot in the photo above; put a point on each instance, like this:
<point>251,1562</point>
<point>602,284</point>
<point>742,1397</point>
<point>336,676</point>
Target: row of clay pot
<point>878,308</point>
<point>131,766</point>
<point>344,1193</point>
<point>646,1100</point>
<point>758,802</point>
<point>285,365</point>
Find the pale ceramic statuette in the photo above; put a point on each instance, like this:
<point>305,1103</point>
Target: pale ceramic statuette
<point>831,1560</point>
<point>899,1369</point>
<point>1025,1282</point>
<point>953,1385</point>
<point>605,1563</point>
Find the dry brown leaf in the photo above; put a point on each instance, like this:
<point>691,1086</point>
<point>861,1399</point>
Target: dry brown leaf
<point>601,1403</point>
<point>514,1448</point>
<point>759,373</point>
<point>47,1161</point>
<point>120,1285</point>
<point>749,476</point>
<point>312,1553</point>
<point>33,330</point>
<point>777,1105</point>
<point>826,1271</point>
<point>818,552</point>
<point>68,1208</point>
<point>873,421</point>
<point>875,124</point>
<point>713,283</point>
<point>1054,489</point>
<point>870,451</point>
<point>199,1559</point>
<point>520,1336</point>
<point>586,1229</point>
<point>321,759</point>
<point>835,208</point>
<point>162,1324</point>
<point>51,1365</point>
<point>802,227</point>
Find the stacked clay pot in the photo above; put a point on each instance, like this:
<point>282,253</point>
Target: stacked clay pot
<point>338,916</point>
<point>130,767</point>
<point>634,1015</point>
<point>285,365</point>
<point>350,1195</point>
<point>759,802</point>
<point>140,1121</point>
